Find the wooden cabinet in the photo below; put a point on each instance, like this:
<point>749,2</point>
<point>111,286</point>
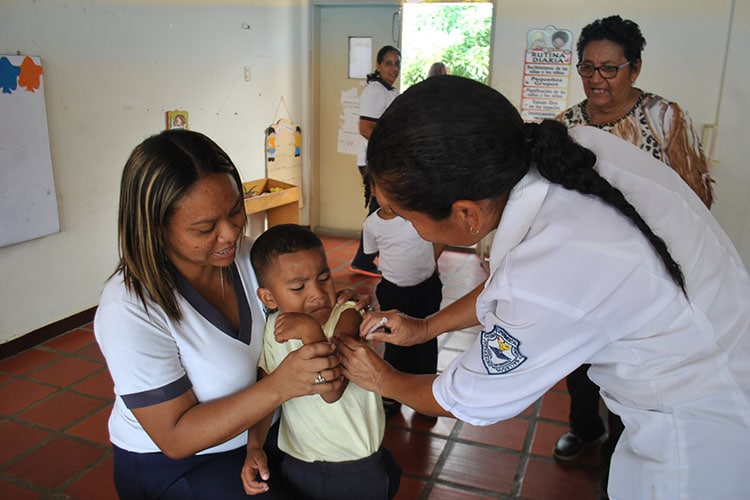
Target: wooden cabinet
<point>280,206</point>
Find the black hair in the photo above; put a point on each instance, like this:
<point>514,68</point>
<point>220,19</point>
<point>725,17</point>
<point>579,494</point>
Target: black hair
<point>280,240</point>
<point>160,171</point>
<point>450,138</point>
<point>379,59</point>
<point>623,32</point>
<point>562,35</point>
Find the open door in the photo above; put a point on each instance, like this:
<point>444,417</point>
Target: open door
<point>337,201</point>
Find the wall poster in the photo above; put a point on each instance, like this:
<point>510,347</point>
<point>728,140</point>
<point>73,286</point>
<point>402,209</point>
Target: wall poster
<point>546,73</point>
<point>28,201</point>
<point>284,152</point>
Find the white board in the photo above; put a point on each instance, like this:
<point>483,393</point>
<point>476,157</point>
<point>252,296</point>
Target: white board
<point>28,202</point>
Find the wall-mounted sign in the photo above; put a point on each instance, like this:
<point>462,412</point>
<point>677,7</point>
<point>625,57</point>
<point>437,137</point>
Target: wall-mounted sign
<point>546,73</point>
<point>28,201</point>
<point>177,119</point>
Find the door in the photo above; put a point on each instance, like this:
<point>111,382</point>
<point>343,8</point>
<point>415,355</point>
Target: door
<point>339,207</point>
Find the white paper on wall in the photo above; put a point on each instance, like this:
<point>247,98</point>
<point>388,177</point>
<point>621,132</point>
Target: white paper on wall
<point>28,202</point>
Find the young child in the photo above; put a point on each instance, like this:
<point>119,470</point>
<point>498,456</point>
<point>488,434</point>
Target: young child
<point>410,284</point>
<point>333,446</point>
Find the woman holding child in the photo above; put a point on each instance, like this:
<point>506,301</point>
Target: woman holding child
<point>181,329</point>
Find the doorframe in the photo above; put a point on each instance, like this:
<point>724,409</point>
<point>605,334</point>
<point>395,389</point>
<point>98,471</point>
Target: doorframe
<point>311,170</point>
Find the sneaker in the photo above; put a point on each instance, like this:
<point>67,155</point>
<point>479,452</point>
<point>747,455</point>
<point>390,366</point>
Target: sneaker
<point>570,446</point>
<point>370,270</point>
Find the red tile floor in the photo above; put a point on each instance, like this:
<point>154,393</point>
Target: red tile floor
<point>55,399</point>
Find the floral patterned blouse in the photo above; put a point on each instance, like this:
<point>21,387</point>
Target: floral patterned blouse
<point>661,128</point>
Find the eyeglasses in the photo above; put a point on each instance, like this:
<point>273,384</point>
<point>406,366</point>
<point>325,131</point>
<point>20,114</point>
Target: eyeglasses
<point>606,71</point>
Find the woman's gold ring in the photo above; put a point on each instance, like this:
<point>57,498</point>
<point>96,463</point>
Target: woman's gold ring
<point>320,379</point>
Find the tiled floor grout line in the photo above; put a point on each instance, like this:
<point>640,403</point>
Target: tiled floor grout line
<point>54,434</point>
<point>75,477</point>
<point>526,451</point>
<point>59,433</point>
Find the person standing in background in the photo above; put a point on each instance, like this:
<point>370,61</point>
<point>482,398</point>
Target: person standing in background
<point>375,99</point>
<point>609,54</point>
<point>436,69</point>
<point>410,283</point>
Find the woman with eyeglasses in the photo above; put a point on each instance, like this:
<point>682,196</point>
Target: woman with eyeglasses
<point>609,53</point>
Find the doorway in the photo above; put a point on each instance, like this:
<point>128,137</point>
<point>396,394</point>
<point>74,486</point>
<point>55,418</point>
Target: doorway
<point>458,34</point>
<point>337,191</point>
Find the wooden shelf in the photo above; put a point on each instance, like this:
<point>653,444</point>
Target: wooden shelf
<point>280,207</point>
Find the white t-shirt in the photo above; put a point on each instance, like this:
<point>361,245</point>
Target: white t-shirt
<point>572,281</point>
<point>373,102</point>
<point>153,359</point>
<point>405,258</point>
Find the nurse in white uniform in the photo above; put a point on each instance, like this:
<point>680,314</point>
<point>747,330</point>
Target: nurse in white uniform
<point>602,255</point>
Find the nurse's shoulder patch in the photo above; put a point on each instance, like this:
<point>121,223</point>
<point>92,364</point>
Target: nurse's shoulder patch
<point>500,352</point>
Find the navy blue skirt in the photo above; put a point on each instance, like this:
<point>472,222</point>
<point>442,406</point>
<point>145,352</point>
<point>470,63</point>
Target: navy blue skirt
<point>142,476</point>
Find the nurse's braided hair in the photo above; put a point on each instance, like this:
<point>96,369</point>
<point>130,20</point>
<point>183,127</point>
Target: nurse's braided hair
<point>449,138</point>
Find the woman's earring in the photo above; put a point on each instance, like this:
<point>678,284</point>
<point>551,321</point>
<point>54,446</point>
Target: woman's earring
<point>474,231</point>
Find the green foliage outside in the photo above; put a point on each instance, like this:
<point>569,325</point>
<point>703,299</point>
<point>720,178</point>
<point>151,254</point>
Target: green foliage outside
<point>455,34</point>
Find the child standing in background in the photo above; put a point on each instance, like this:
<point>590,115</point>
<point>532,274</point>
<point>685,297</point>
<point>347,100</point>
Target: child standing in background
<point>333,443</point>
<point>410,283</point>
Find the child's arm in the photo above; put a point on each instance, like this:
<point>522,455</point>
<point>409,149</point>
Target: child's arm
<point>347,326</point>
<point>308,330</point>
<point>298,326</point>
<point>255,471</point>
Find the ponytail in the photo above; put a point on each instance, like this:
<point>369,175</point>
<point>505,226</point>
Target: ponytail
<point>559,159</point>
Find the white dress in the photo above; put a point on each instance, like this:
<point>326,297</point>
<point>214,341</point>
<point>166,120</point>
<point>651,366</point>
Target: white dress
<point>573,281</point>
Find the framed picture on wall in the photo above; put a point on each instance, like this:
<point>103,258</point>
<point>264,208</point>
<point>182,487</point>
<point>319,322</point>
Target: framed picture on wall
<point>177,120</point>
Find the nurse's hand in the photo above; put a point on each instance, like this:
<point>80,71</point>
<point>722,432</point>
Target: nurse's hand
<point>394,327</point>
<point>362,301</point>
<point>360,364</point>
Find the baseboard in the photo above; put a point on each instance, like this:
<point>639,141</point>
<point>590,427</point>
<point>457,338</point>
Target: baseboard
<point>354,235</point>
<point>45,333</point>
<point>350,234</point>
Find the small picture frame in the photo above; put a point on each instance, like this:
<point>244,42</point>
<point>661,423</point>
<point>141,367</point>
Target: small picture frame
<point>177,120</point>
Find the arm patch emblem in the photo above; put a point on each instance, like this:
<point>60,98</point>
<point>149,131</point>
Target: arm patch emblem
<point>500,351</point>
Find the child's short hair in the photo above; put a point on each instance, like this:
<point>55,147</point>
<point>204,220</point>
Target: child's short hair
<point>279,240</point>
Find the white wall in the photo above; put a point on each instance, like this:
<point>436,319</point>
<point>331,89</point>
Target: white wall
<point>687,42</point>
<point>111,71</point>
<point>682,60</point>
<point>732,172</point>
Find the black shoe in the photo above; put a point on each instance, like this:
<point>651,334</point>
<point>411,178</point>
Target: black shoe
<point>570,446</point>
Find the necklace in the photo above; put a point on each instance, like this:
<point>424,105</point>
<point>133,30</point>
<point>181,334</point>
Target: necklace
<point>631,111</point>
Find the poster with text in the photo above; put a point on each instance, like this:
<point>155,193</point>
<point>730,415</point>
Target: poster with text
<point>349,140</point>
<point>546,73</point>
